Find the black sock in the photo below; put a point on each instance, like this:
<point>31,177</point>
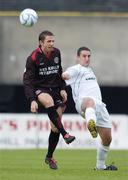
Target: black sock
<point>54,117</point>
<point>53,141</point>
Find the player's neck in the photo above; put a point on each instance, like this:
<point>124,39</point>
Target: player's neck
<point>84,65</point>
<point>46,53</point>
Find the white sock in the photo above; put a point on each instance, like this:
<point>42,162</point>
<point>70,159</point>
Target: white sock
<point>90,114</point>
<point>102,152</point>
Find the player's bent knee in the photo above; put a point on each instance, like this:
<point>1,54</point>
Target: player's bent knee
<point>46,100</point>
<point>87,102</point>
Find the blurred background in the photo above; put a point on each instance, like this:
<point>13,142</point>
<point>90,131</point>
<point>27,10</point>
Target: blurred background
<point>100,25</point>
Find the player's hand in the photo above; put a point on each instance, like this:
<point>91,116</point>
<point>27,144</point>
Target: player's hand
<point>65,76</point>
<point>64,95</point>
<point>34,106</point>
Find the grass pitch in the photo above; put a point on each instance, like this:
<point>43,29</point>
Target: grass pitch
<point>73,165</point>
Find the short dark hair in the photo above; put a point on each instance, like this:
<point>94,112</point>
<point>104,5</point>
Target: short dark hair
<point>43,35</point>
<point>82,49</point>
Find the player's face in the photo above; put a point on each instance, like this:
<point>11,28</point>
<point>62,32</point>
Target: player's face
<point>48,43</point>
<point>84,58</point>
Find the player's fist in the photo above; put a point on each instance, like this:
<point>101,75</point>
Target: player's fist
<point>63,95</point>
<point>34,106</point>
<point>65,76</point>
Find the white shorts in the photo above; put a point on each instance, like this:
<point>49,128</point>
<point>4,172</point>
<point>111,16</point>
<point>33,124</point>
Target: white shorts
<point>102,114</point>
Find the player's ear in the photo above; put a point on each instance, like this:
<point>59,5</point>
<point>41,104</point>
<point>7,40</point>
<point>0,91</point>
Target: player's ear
<point>40,42</point>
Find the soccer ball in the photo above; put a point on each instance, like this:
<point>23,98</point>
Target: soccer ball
<point>28,17</point>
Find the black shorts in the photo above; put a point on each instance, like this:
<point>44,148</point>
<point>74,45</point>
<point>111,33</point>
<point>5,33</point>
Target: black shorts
<point>54,93</point>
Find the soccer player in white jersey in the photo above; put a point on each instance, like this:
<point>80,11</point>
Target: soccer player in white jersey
<point>88,101</point>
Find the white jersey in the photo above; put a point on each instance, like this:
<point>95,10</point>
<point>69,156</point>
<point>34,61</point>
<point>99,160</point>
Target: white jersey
<point>83,83</point>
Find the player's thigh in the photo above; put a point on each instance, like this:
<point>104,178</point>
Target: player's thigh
<point>45,99</point>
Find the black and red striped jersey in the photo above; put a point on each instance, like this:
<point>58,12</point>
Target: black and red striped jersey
<point>42,72</point>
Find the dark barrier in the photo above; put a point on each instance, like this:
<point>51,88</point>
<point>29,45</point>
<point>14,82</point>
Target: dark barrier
<point>66,5</point>
<point>13,100</point>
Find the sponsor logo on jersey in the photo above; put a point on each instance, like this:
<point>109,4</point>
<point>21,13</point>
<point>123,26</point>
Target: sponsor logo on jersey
<point>90,78</point>
<point>49,70</point>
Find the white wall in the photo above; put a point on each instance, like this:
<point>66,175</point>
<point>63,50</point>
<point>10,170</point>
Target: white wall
<point>22,131</point>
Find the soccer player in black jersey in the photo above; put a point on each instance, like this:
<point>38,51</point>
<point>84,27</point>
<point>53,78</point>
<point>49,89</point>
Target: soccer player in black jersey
<point>43,83</point>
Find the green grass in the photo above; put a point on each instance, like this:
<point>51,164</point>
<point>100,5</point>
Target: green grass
<point>73,165</point>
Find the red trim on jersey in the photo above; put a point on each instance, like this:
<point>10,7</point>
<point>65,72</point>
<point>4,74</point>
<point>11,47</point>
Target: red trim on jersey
<point>38,50</point>
<point>33,56</point>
